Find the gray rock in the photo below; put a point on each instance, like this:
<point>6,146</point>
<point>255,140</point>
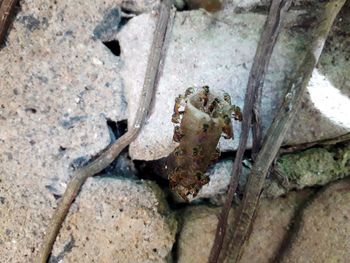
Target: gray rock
<point>139,6</point>
<point>116,220</point>
<point>323,233</point>
<point>217,50</point>
<point>58,86</point>
<point>220,175</point>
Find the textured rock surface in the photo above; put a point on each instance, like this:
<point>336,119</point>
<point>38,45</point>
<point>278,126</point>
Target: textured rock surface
<point>58,85</point>
<point>271,225</point>
<point>197,56</point>
<point>324,229</point>
<point>116,220</point>
<point>317,166</point>
<point>220,174</point>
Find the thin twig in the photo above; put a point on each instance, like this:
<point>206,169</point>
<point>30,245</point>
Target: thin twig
<point>7,9</point>
<point>278,129</point>
<point>113,151</point>
<point>260,63</point>
<point>300,147</point>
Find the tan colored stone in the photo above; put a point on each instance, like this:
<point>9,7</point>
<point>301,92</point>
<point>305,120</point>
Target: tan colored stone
<point>117,220</point>
<point>324,229</point>
<point>270,227</point>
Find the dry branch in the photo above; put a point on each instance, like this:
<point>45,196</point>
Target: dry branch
<point>7,8</point>
<point>107,156</point>
<point>300,147</point>
<point>255,81</point>
<point>278,129</point>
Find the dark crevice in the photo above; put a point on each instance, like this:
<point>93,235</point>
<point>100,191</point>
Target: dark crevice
<point>113,46</point>
<point>126,16</point>
<point>66,249</point>
<point>124,20</point>
<point>116,129</point>
<point>294,226</point>
<point>208,5</point>
<point>175,248</point>
<point>122,166</point>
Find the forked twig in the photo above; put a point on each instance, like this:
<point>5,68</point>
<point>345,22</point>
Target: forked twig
<point>107,156</point>
<point>278,129</point>
<point>257,72</point>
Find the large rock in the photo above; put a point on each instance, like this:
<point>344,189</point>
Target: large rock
<point>58,85</point>
<point>324,229</point>
<point>270,227</point>
<point>218,50</point>
<point>116,220</point>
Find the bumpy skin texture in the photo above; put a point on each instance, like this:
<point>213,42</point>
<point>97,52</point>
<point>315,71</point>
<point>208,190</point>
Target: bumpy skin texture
<point>201,118</point>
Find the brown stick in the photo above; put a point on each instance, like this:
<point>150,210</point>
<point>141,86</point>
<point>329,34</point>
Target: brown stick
<point>295,148</point>
<point>7,8</point>
<point>113,151</point>
<point>261,61</point>
<point>278,129</point>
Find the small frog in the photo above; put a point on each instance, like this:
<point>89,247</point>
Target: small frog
<point>201,118</point>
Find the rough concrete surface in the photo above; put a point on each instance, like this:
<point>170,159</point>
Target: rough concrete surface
<point>218,50</point>
<point>271,225</point>
<point>324,228</point>
<point>58,86</point>
<point>117,220</point>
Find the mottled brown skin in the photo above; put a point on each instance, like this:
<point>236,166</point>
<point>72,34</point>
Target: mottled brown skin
<point>199,128</point>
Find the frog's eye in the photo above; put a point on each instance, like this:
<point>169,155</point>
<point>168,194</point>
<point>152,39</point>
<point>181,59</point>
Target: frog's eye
<point>195,151</point>
<point>214,104</point>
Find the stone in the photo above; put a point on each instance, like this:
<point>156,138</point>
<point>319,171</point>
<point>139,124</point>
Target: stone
<point>220,175</point>
<point>117,220</point>
<point>196,56</point>
<point>323,231</point>
<point>270,227</point>
<point>139,6</point>
<point>316,166</point>
<point>58,88</point>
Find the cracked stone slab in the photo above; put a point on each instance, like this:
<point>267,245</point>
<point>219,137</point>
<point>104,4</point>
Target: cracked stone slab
<point>117,220</point>
<point>217,50</point>
<point>59,85</point>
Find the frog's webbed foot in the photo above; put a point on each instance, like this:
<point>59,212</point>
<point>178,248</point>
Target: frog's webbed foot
<point>189,92</point>
<point>236,112</point>
<point>227,127</point>
<point>176,117</point>
<point>213,106</point>
<point>227,98</point>
<point>178,134</point>
<point>204,95</point>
